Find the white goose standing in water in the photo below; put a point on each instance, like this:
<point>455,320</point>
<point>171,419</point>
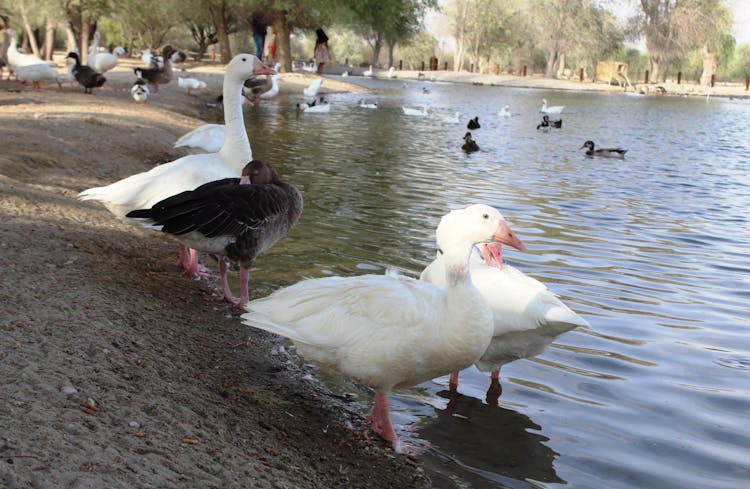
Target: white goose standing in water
<point>142,190</point>
<point>527,316</point>
<point>389,331</point>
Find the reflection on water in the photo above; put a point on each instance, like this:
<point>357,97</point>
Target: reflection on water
<point>487,441</point>
<point>653,251</point>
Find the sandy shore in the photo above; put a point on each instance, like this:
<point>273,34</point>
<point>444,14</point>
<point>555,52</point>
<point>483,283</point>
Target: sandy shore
<point>117,371</point>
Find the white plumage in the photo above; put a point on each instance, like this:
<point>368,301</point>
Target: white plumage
<point>415,112</point>
<point>504,112</point>
<point>552,111</point>
<point>16,58</point>
<point>102,62</point>
<point>368,72</point>
<point>391,72</point>
<point>38,73</point>
<point>367,105</point>
<point>208,138</point>
<point>527,315</point>
<point>139,91</point>
<point>190,84</point>
<point>312,90</point>
<point>143,190</point>
<point>391,331</point>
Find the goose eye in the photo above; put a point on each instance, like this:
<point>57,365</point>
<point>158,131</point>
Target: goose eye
<point>244,59</point>
<point>486,216</point>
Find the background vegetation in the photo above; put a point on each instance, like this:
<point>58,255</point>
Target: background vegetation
<point>556,38</point>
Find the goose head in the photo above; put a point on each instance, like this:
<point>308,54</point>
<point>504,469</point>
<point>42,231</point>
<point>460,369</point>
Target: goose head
<point>259,173</point>
<point>461,229</point>
<point>245,66</point>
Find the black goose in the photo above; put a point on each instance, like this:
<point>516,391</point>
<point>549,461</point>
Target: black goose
<point>470,145</point>
<point>85,75</point>
<point>154,74</point>
<point>234,218</point>
<point>473,124</point>
<point>547,124</point>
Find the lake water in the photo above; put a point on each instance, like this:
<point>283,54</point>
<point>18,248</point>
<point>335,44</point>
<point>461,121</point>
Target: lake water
<point>654,251</point>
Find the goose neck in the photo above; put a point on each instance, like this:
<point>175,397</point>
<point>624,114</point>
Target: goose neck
<point>457,265</point>
<point>236,149</point>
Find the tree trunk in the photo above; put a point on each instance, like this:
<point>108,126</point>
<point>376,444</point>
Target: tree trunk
<point>85,32</point>
<point>29,32</point>
<point>70,42</point>
<point>376,49</point>
<point>391,45</point>
<point>549,72</point>
<point>560,66</point>
<point>458,54</point>
<point>710,65</point>
<point>49,39</point>
<point>219,16</point>
<point>283,43</point>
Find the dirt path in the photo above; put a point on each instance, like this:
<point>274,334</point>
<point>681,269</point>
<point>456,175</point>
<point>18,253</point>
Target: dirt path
<point>116,370</point>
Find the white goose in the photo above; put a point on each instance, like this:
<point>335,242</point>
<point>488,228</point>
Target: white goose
<point>321,107</point>
<point>190,84</point>
<point>391,72</point>
<point>144,189</point>
<point>363,104</point>
<point>552,111</point>
<point>312,90</point>
<point>504,112</point>
<point>15,58</point>
<point>41,72</point>
<point>274,90</point>
<point>415,112</point>
<point>453,118</point>
<point>103,62</point>
<point>368,72</point>
<point>527,316</point>
<point>389,331</point>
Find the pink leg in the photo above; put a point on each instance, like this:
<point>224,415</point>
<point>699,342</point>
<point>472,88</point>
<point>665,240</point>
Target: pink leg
<point>226,292</point>
<point>183,260</point>
<point>381,420</point>
<point>495,389</point>
<point>453,382</point>
<point>195,269</point>
<point>244,292</point>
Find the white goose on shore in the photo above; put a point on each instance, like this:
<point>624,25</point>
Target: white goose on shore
<point>103,62</point>
<point>38,73</point>
<point>390,331</point>
<point>15,58</point>
<point>144,189</point>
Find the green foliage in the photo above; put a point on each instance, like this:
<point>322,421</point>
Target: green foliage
<point>417,50</point>
<point>738,68</point>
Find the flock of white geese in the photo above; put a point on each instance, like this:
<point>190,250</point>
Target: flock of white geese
<point>384,331</point>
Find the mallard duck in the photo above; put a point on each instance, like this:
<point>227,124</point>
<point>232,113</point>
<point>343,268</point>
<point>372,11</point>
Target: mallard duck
<point>470,145</point>
<point>547,124</point>
<point>604,152</point>
<point>232,217</point>
<point>473,124</point>
<point>85,75</point>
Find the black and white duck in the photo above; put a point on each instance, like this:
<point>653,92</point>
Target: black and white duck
<point>86,76</point>
<point>156,75</point>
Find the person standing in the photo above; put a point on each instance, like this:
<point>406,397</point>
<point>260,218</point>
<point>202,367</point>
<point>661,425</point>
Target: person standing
<point>259,24</point>
<point>321,55</point>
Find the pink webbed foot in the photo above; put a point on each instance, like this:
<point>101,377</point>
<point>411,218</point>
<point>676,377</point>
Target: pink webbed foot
<point>226,292</point>
<point>381,421</point>
<point>195,269</point>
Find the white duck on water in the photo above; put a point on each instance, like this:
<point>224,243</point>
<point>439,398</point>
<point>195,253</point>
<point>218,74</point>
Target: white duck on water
<point>527,316</point>
<point>144,189</point>
<point>389,331</point>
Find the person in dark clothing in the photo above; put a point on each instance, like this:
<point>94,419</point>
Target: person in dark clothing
<point>259,24</point>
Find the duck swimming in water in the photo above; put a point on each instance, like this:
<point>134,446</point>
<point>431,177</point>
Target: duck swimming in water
<point>547,124</point>
<point>470,145</point>
<point>604,152</point>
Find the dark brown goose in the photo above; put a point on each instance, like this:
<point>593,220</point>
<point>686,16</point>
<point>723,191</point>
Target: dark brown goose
<point>234,218</point>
